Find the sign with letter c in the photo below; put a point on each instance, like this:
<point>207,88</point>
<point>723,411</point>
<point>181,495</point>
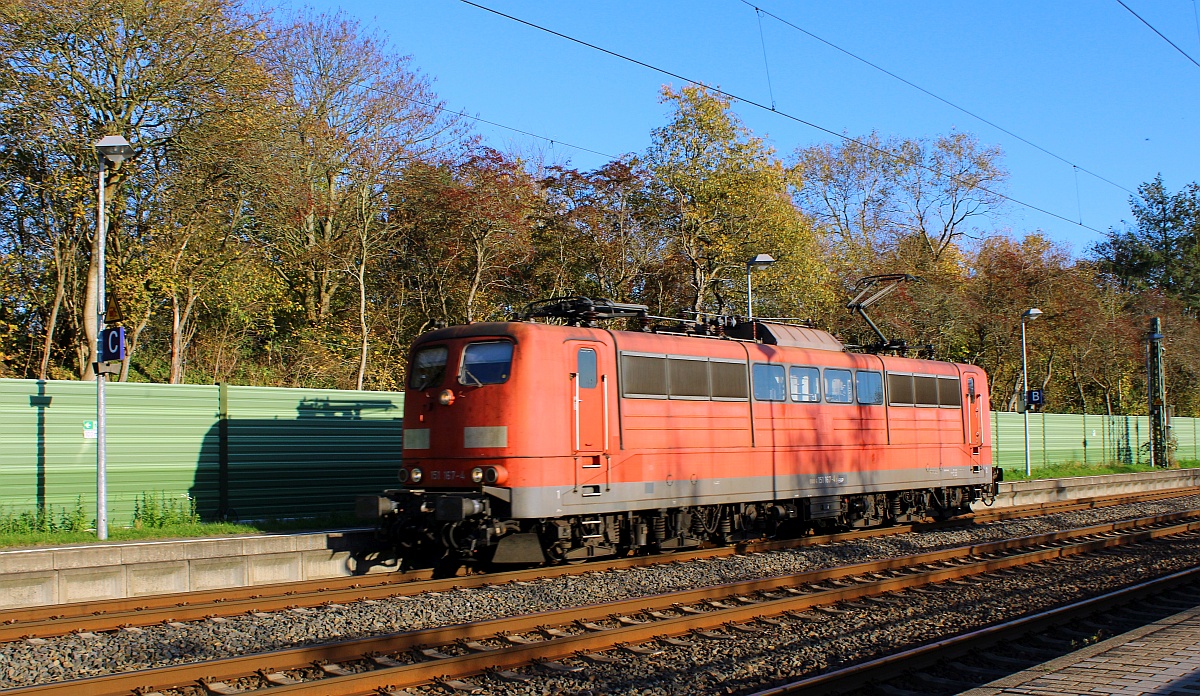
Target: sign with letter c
<point>112,344</point>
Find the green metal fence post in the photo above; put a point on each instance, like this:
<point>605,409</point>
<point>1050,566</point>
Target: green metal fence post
<point>1137,439</point>
<point>1085,436</point>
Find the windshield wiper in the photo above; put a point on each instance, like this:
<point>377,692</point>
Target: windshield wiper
<point>467,374</point>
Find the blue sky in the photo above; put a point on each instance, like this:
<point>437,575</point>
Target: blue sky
<point>1084,79</point>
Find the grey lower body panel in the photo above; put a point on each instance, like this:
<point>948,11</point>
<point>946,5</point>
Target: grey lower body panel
<point>601,497</point>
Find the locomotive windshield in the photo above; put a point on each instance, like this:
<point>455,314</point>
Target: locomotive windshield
<point>428,367</point>
<point>486,363</point>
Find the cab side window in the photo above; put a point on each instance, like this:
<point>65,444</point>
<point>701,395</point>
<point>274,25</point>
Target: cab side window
<point>869,386</point>
<point>838,389</point>
<point>805,384</point>
<point>769,383</point>
<point>586,368</point>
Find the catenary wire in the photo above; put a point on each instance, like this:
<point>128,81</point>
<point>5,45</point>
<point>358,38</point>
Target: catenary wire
<point>765,107</point>
<point>943,100</point>
<point>1196,14</point>
<point>447,110</point>
<point>1160,34</point>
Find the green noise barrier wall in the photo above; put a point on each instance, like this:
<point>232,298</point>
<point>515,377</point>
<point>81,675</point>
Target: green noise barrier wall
<point>240,452</point>
<point>260,452</point>
<point>1056,438</point>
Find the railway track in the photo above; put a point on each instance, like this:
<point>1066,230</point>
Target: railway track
<point>922,665</point>
<point>62,619</point>
<point>563,641</point>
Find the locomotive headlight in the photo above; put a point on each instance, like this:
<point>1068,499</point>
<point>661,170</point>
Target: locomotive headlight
<point>415,474</point>
<point>402,475</point>
<point>446,397</point>
<point>490,475</point>
<point>477,475</point>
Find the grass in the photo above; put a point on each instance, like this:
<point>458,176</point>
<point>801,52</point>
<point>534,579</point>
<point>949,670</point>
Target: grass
<point>177,531</point>
<point>1068,469</point>
<point>154,517</point>
<point>160,517</point>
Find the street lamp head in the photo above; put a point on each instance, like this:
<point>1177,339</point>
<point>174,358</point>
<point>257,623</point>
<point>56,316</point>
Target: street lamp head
<point>113,148</point>
<point>759,262</point>
<point>1031,314</point>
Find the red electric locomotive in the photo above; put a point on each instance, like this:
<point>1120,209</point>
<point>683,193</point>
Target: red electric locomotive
<point>529,442</point>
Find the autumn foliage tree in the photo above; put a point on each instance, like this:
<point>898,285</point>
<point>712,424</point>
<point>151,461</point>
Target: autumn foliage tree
<point>721,197</point>
<point>302,205</point>
<point>72,72</point>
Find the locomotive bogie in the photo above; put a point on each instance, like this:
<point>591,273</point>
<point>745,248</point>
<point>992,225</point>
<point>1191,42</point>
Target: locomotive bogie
<point>527,443</point>
<point>464,527</point>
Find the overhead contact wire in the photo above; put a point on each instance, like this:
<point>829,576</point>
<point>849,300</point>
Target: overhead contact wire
<point>447,110</point>
<point>1196,14</point>
<point>943,100</point>
<point>1160,34</point>
<point>764,107</point>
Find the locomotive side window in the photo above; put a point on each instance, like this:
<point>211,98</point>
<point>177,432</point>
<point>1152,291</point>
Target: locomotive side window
<point>728,380</point>
<point>837,387</point>
<point>688,378</point>
<point>949,392</point>
<point>486,363</point>
<point>900,390</point>
<point>586,368</point>
<point>805,384</point>
<point>428,367</point>
<point>768,383</point>
<point>926,390</point>
<point>643,376</point>
<point>869,386</point>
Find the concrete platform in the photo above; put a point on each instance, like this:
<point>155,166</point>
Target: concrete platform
<point>91,572</point>
<point>1064,489</point>
<point>1161,658</point>
<point>31,577</point>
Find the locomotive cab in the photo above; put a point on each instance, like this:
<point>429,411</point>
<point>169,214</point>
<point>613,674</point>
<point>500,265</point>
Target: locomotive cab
<point>482,419</point>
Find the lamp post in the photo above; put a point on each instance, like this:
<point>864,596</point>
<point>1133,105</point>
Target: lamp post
<point>111,149</point>
<point>759,262</point>
<point>1027,316</point>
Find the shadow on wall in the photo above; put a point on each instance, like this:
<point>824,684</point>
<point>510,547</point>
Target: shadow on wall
<point>256,466</point>
<point>41,402</point>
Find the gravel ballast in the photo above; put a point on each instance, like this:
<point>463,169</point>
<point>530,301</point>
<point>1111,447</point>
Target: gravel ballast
<point>69,657</point>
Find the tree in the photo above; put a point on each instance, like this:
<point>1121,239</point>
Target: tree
<point>1162,250</point>
<point>465,232</point>
<point>871,194</point>
<point>353,115</point>
<point>594,238</point>
<point>71,72</point>
<point>850,191</point>
<point>720,198</point>
<point>194,238</point>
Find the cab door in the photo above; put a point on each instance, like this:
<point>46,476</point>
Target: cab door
<point>589,399</point>
<point>973,412</point>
